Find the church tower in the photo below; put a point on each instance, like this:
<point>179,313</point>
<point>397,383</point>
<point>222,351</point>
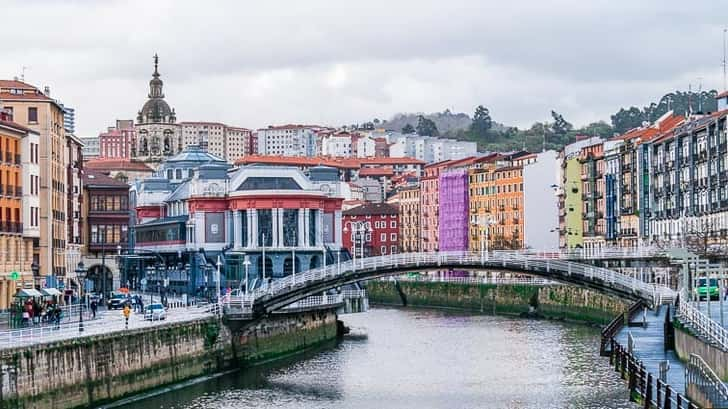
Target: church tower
<point>157,133</point>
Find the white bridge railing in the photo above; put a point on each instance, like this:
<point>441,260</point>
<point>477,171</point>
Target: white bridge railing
<point>556,263</point>
<point>535,281</point>
<point>316,301</point>
<point>701,323</point>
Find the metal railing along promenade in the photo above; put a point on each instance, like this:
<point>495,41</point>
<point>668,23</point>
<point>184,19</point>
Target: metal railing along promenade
<point>700,374</point>
<point>703,325</point>
<point>534,281</point>
<point>396,264</point>
<point>316,301</point>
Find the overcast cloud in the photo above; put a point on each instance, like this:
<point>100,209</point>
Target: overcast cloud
<point>251,64</point>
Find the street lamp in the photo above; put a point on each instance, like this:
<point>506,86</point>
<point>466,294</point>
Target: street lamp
<point>81,274</point>
<point>246,263</point>
<point>484,222</point>
<point>219,264</point>
<point>118,264</point>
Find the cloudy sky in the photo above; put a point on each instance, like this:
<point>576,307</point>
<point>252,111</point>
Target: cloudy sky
<point>251,64</point>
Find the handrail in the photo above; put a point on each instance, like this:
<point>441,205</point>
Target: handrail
<point>701,323</point>
<point>535,281</point>
<point>698,372</point>
<point>514,260</point>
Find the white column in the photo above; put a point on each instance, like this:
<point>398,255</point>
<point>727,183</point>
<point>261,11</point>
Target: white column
<point>238,229</point>
<point>280,228</point>
<point>301,227</point>
<point>253,227</point>
<point>249,216</point>
<point>200,228</point>
<point>306,224</point>
<point>274,227</point>
<point>320,228</point>
<point>337,228</point>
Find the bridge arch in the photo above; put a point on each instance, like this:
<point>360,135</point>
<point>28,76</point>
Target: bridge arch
<point>290,289</point>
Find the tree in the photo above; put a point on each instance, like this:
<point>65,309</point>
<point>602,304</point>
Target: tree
<point>407,129</point>
<point>481,122</point>
<point>426,127</point>
<point>376,121</point>
<point>560,126</point>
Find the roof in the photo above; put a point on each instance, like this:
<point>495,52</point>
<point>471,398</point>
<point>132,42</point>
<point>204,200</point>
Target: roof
<point>163,221</point>
<point>372,209</point>
<point>29,92</point>
<point>104,164</point>
<point>193,153</point>
<point>16,127</point>
<point>381,171</point>
<point>722,95</point>
<point>98,179</point>
<point>202,123</point>
<point>182,192</point>
<point>341,163</point>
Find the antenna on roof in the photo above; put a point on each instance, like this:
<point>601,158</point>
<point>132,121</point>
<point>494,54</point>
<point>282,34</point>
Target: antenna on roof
<point>22,75</point>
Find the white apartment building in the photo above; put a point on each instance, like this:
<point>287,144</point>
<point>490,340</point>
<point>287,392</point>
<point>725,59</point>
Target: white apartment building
<point>91,147</point>
<point>288,140</point>
<point>540,207</point>
<point>337,145</point>
<point>430,149</point>
<point>227,142</point>
<point>365,147</point>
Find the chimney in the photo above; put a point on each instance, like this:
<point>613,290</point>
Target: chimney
<point>47,91</point>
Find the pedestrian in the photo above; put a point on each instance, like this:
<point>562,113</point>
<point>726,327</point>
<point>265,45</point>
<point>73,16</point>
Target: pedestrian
<point>141,305</point>
<point>94,306</point>
<point>127,311</point>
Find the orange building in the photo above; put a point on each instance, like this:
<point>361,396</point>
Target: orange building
<point>496,204</point>
<point>16,254</point>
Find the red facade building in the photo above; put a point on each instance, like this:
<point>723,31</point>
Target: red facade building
<point>373,227</point>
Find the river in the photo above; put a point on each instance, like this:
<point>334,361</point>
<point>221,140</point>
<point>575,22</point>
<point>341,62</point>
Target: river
<point>417,358</point>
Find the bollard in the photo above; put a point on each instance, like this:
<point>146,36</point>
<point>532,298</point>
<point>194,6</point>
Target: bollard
<point>624,366</point>
<point>632,382</point>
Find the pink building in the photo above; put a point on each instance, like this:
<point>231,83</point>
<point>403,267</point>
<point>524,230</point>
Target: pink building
<point>454,203</point>
<point>117,141</point>
<point>429,205</point>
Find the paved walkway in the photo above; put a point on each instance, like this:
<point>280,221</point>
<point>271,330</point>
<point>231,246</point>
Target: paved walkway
<point>111,321</point>
<point>649,348</point>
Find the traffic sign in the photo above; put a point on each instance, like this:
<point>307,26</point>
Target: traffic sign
<point>14,276</point>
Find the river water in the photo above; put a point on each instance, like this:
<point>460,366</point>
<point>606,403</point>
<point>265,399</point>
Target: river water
<point>412,358</point>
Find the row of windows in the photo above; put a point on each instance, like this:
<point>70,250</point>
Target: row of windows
<point>383,224</point>
<point>108,233</point>
<point>109,203</point>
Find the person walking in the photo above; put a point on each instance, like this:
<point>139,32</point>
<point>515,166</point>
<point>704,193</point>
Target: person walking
<point>94,307</point>
<point>127,312</point>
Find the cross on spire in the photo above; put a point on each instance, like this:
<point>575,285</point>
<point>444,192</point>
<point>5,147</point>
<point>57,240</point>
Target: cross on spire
<point>156,63</point>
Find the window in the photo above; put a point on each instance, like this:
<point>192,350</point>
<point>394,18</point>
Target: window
<point>393,250</point>
<point>383,237</point>
<point>290,227</point>
<point>265,227</point>
<point>32,115</point>
<point>393,224</point>
<point>178,174</point>
<point>393,237</point>
<point>170,174</point>
<point>383,250</point>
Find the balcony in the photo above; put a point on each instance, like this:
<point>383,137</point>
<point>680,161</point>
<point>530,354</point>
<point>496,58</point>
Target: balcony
<point>514,207</point>
<point>11,227</point>
<point>17,159</point>
<point>502,208</point>
<point>9,157</point>
<point>2,189</point>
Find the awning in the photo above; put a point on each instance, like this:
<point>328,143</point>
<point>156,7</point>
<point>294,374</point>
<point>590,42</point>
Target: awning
<point>50,291</point>
<point>28,292</point>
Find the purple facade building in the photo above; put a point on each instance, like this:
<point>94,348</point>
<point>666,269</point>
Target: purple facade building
<point>454,202</point>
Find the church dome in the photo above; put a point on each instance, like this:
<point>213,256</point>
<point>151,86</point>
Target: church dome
<point>156,110</point>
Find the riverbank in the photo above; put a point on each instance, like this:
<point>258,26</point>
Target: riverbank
<point>555,302</point>
<point>92,370</point>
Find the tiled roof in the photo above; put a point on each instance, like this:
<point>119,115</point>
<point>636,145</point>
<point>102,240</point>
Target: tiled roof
<point>16,126</point>
<point>103,164</point>
<point>372,209</point>
<point>202,123</point>
<point>98,179</point>
<point>380,171</point>
<point>36,94</point>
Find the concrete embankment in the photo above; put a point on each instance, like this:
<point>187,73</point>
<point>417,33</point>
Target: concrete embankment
<point>687,343</point>
<point>553,302</point>
<point>88,371</point>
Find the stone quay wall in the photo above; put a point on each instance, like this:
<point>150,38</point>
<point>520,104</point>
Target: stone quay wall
<point>554,302</point>
<point>88,371</point>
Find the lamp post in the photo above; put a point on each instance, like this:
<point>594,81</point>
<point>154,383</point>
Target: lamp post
<point>81,274</point>
<point>219,264</point>
<point>246,263</point>
<point>293,264</point>
<point>118,265</point>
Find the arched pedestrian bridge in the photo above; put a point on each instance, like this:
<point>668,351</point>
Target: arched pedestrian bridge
<point>554,266</point>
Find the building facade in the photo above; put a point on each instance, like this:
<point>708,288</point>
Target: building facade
<point>117,141</point>
<point>373,227</point>
<point>453,216</point>
<point>288,140</point>
<point>91,147</point>
<point>227,142</point>
<point>16,251</point>
<point>540,204</point>
<point>74,205</point>
<point>33,109</point>
<point>409,219</point>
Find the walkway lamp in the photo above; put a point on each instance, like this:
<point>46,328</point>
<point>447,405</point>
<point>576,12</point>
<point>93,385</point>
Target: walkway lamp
<point>219,264</point>
<point>246,263</point>
<point>81,274</point>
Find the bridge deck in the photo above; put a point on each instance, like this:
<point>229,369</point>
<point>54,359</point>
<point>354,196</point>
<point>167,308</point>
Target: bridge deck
<point>649,348</point>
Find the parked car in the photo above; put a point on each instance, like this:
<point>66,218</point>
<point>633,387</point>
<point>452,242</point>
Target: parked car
<point>707,288</point>
<point>154,312</point>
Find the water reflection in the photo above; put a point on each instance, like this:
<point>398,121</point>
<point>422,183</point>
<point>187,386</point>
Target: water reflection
<point>427,359</point>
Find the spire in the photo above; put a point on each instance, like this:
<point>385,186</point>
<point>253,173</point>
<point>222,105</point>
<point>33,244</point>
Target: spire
<point>156,64</point>
<point>155,85</point>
